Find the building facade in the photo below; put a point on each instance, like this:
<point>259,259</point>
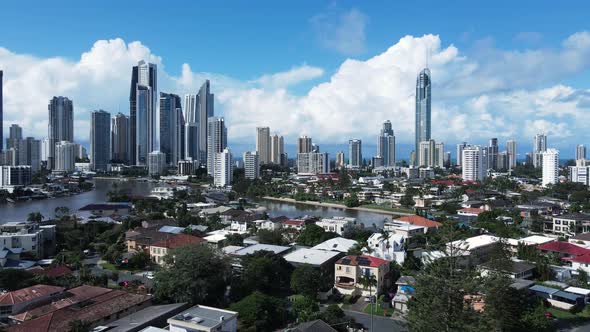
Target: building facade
<point>120,139</point>
<point>251,165</point>
<point>205,111</point>
<point>100,143</point>
<point>313,163</point>
<point>386,145</point>
<point>580,152</point>
<point>423,107</point>
<point>263,145</point>
<point>142,111</point>
<point>171,128</point>
<point>156,163</point>
<point>539,147</point>
<point>512,154</point>
<point>223,168</point>
<point>65,157</point>
<point>550,159</point>
<point>61,125</point>
<point>472,163</point>
<point>216,141</point>
<point>355,154</point>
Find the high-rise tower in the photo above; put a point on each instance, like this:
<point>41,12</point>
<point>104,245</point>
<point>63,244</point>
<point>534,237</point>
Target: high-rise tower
<point>142,117</point>
<point>423,107</point>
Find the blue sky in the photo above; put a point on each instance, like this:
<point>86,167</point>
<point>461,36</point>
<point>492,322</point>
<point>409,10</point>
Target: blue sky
<point>239,42</point>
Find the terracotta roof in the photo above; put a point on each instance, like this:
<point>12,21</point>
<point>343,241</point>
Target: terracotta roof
<point>28,294</point>
<point>362,260</point>
<point>564,248</point>
<point>293,222</point>
<point>581,259</point>
<point>178,240</point>
<point>419,221</point>
<point>53,272</point>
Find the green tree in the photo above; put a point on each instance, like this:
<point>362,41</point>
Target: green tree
<point>79,326</point>
<point>304,308</point>
<point>368,281</point>
<point>266,272</point>
<point>193,274</point>
<point>139,260</point>
<point>335,317</point>
<point>352,200</point>
<point>306,280</point>
<point>234,240</point>
<point>13,279</point>
<point>35,217</point>
<point>266,236</point>
<point>313,235</point>
<point>260,312</point>
<point>407,200</point>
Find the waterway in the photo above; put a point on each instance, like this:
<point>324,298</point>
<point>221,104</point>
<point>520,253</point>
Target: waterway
<point>20,210</point>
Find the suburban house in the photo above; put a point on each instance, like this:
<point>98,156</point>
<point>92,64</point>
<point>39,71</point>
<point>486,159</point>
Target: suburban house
<point>405,290</point>
<point>140,239</point>
<point>582,239</point>
<point>295,224</point>
<point>407,230</point>
<point>249,250</point>
<point>17,301</point>
<point>516,270</point>
<point>269,224</point>
<point>107,209</point>
<point>336,244</point>
<point>429,225</point>
<point>571,224</point>
<point>563,249</point>
<point>10,258</point>
<point>475,249</point>
<point>313,257</point>
<point>470,212</point>
<point>349,270</point>
<point>558,298</point>
<point>159,249</point>
<point>206,319</point>
<point>36,239</point>
<point>337,225</point>
<point>390,249</point>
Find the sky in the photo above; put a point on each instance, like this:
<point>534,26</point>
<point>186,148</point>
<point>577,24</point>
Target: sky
<point>333,70</point>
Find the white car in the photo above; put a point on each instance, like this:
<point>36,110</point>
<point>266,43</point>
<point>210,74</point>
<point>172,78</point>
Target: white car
<point>149,275</point>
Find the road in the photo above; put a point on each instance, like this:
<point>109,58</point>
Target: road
<point>92,263</point>
<point>380,324</point>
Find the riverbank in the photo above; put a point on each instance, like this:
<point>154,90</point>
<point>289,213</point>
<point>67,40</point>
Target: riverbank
<point>336,206</point>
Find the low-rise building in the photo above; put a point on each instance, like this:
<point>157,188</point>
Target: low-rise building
<point>17,301</point>
<point>405,291</point>
<point>349,270</point>
<point>571,224</point>
<point>339,244</point>
<point>390,247</point>
<point>36,239</point>
<point>205,319</point>
<point>477,249</point>
<point>313,257</point>
<point>337,225</point>
<point>404,229</point>
<point>470,212</point>
<point>107,209</point>
<point>161,248</point>
<point>429,225</point>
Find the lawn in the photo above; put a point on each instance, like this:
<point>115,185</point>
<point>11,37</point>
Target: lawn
<point>379,310</point>
<point>387,208</point>
<point>583,315</point>
<point>109,266</point>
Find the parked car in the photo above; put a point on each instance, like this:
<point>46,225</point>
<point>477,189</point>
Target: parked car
<point>371,299</point>
<point>150,275</point>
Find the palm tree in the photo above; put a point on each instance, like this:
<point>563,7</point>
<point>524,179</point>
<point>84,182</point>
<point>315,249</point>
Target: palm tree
<point>369,281</point>
<point>35,217</point>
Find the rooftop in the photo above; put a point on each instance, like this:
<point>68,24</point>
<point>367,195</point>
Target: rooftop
<point>564,248</point>
<point>581,237</point>
<point>474,242</point>
<point>29,294</point>
<point>204,316</point>
<point>144,317</point>
<point>336,244</point>
<point>419,221</point>
<point>362,260</point>
<point>470,210</point>
<point>261,247</point>
<point>178,240</point>
<point>105,206</point>
<point>317,325</point>
<point>310,256</point>
<point>574,216</point>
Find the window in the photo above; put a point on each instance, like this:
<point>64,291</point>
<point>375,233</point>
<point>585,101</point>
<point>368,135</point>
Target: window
<point>557,228</point>
<point>557,222</point>
<point>347,269</point>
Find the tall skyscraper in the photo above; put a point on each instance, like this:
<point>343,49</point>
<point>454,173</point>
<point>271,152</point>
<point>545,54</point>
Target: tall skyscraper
<point>191,128</point>
<point>216,141</point>
<point>580,152</point>
<point>60,126</point>
<point>100,147</point>
<point>223,168</point>
<point>340,162</point>
<point>460,148</point>
<point>171,128</point>
<point>1,112</point>
<point>431,154</point>
<point>156,163</point>
<point>263,148</point>
<point>142,111</point>
<point>65,156</point>
<point>205,110</point>
<point>120,139</point>
<point>472,163</point>
<point>439,155</point>
<point>512,154</point>
<point>251,165</point>
<point>277,149</point>
<point>313,163</point>
<point>15,134</point>
<point>304,144</point>
<point>550,167</point>
<point>539,146</point>
<point>386,145</point>
<point>423,107</point>
<point>30,153</point>
<point>493,154</point>
<point>355,154</point>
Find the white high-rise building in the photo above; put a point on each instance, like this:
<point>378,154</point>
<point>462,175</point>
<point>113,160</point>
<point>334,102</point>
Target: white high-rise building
<point>277,149</point>
<point>431,154</point>
<point>511,152</point>
<point>579,174</point>
<point>340,162</point>
<point>223,168</point>
<point>65,156</point>
<point>550,167</point>
<point>304,144</point>
<point>263,148</point>
<point>355,154</point>
<point>580,152</point>
<point>386,145</point>
<point>15,175</point>
<point>472,163</point>
<point>156,163</point>
<point>539,146</point>
<point>460,148</point>
<point>251,165</point>
<point>216,141</point>
<point>313,163</point>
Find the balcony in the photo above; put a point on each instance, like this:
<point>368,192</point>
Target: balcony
<point>345,282</point>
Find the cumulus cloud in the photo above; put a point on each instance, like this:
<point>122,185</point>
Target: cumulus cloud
<point>508,95</point>
<point>343,32</point>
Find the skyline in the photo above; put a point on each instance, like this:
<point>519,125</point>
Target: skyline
<point>483,97</point>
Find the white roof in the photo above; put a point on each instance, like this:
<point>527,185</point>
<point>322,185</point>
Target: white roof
<point>216,236</point>
<point>261,247</point>
<point>578,290</point>
<point>531,240</point>
<point>474,242</point>
<point>336,244</point>
<point>310,256</point>
<point>230,249</point>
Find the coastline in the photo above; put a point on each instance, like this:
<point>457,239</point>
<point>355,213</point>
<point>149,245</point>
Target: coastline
<point>336,206</point>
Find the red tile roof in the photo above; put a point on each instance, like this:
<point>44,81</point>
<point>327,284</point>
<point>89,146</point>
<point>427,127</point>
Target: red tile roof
<point>28,294</point>
<point>564,248</point>
<point>581,259</point>
<point>54,272</point>
<point>419,221</point>
<point>179,240</point>
<point>354,260</point>
<point>293,222</point>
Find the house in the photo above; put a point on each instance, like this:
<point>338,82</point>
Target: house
<point>270,224</point>
<point>140,239</point>
<point>516,269</point>
<point>99,307</point>
<point>38,240</point>
<point>159,249</point>
<point>171,229</point>
<point>205,319</point>
<point>337,225</point>
<point>404,229</point>
<point>476,249</point>
<point>52,272</point>
<point>317,325</point>
<point>470,212</point>
<point>405,290</point>
<point>295,224</point>
<point>429,225</point>
<point>10,258</point>
<point>391,248</point>
<point>239,226</point>
<point>563,249</point>
<point>582,239</point>
<point>349,270</point>
<point>532,240</point>
<point>339,244</point>
<point>107,209</point>
<point>17,301</point>
<point>313,257</point>
<point>557,298</point>
<point>249,250</point>
<point>155,315</point>
<point>571,224</point>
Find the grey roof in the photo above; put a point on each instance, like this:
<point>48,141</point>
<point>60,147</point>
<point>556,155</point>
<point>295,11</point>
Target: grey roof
<point>200,228</point>
<point>543,289</point>
<point>261,247</point>
<point>521,284</point>
<point>568,295</point>
<point>405,280</point>
<point>206,316</point>
<point>574,216</point>
<point>582,236</point>
<point>171,229</point>
<point>317,325</point>
<point>516,267</point>
<point>145,317</point>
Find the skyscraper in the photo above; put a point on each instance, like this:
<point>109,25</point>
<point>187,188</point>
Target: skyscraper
<point>191,128</point>
<point>223,168</point>
<point>156,163</point>
<point>205,110</point>
<point>431,154</point>
<point>61,125</point>
<point>216,141</point>
<point>100,147</point>
<point>511,152</point>
<point>472,163</point>
<point>355,154</point>
<point>460,148</point>
<point>30,153</point>
<point>251,165</point>
<point>313,163</point>
<point>423,107</point>
<point>580,152</point>
<point>386,145</point>
<point>143,94</point>
<point>190,108</point>
<point>263,145</point>
<point>550,161</point>
<point>539,146</point>
<point>493,154</point>
<point>1,112</point>
<point>277,149</point>
<point>171,128</point>
<point>65,156</point>
<point>15,134</point>
<point>304,144</point>
<point>340,163</point>
<point>120,139</point>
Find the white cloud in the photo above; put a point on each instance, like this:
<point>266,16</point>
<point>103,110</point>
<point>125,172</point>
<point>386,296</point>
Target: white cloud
<point>511,95</point>
<point>343,32</point>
